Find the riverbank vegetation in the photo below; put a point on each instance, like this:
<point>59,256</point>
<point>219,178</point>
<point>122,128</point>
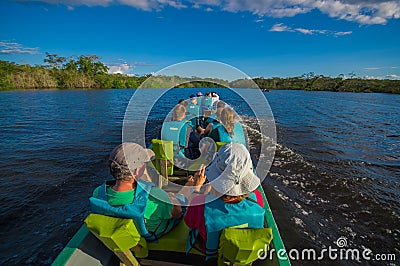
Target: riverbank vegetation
<point>311,82</point>
<point>87,71</point>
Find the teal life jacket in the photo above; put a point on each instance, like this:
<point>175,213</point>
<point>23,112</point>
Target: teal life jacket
<point>219,215</point>
<point>216,124</point>
<point>211,119</point>
<point>207,103</point>
<point>199,100</point>
<point>238,134</point>
<point>134,210</point>
<point>192,110</point>
<point>176,131</point>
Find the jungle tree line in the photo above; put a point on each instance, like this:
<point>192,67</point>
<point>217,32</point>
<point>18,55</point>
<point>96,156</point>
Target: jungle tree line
<point>310,81</point>
<point>87,71</point>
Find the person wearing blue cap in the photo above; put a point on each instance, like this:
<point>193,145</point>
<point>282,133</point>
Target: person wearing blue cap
<point>192,108</point>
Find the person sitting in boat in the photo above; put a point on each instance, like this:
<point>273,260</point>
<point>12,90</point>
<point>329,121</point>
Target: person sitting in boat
<point>213,121</point>
<point>153,211</point>
<point>206,103</point>
<point>183,102</point>
<point>180,131</point>
<point>215,100</point>
<point>232,201</point>
<point>228,130</point>
<point>199,95</point>
<point>192,109</point>
<point>216,117</point>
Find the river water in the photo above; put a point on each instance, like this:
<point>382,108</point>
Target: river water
<point>336,171</point>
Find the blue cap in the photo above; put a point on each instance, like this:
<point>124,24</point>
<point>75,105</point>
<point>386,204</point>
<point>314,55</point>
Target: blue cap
<point>192,95</point>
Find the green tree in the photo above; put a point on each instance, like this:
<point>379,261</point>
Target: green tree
<point>54,61</point>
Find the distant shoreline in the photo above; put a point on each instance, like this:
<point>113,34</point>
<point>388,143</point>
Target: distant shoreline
<point>87,73</point>
<point>93,89</point>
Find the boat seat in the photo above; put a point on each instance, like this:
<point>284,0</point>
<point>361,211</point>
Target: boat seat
<point>238,246</point>
<point>220,144</point>
<point>164,158</point>
<point>241,246</point>
<point>123,239</point>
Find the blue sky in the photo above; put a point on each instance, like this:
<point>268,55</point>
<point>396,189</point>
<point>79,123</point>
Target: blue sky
<point>262,38</point>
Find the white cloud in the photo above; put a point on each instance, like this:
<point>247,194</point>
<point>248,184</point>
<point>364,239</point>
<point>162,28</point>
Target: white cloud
<point>372,68</point>
<point>363,12</point>
<point>393,76</point>
<point>119,69</point>
<point>382,67</point>
<point>16,48</point>
<point>310,32</point>
<point>280,27</point>
<point>124,68</point>
<point>388,76</point>
<point>279,8</point>
<point>342,33</point>
<point>360,11</point>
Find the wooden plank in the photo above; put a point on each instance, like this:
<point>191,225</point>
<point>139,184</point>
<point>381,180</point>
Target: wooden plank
<point>127,258</point>
<point>164,172</point>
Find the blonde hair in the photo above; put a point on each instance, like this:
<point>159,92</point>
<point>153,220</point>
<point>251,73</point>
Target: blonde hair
<point>221,104</point>
<point>218,113</point>
<point>228,119</point>
<point>220,107</point>
<point>179,112</point>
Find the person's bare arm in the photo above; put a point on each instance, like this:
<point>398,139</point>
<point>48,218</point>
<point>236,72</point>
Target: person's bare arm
<point>199,178</point>
<point>176,211</point>
<point>194,183</point>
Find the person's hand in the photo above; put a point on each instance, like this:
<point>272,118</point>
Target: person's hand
<point>200,176</point>
<point>207,189</point>
<point>200,130</point>
<point>190,181</point>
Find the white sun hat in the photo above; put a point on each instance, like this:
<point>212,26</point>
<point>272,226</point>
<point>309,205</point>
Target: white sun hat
<point>231,172</point>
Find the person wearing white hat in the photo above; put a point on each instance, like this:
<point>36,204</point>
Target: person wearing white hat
<point>153,211</point>
<point>233,201</point>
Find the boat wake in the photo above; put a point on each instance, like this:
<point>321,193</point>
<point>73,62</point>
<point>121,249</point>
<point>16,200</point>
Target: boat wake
<point>314,206</point>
